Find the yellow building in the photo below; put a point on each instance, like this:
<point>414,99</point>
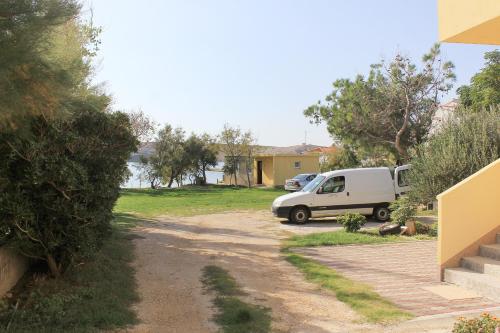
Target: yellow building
<point>469,21</point>
<point>273,165</point>
<point>273,170</point>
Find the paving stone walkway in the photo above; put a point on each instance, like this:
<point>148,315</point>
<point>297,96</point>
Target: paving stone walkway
<point>398,272</point>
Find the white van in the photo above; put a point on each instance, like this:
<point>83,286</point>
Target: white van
<point>367,191</point>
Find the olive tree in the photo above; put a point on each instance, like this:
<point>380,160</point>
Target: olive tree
<point>176,156</point>
<point>239,148</point>
<point>466,143</point>
<point>202,152</point>
<point>230,145</point>
<point>249,149</point>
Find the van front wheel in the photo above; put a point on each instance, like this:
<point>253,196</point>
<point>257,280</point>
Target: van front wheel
<point>382,214</point>
<point>299,215</point>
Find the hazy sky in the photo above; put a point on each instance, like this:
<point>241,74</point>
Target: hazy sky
<point>256,64</point>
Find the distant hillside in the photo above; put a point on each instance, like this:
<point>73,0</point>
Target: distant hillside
<point>146,149</point>
<point>291,150</point>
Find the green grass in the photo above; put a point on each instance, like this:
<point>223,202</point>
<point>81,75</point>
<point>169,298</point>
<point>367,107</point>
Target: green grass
<point>193,200</point>
<point>234,315</point>
<point>360,297</point>
<point>342,237</point>
<point>219,280</point>
<point>92,296</point>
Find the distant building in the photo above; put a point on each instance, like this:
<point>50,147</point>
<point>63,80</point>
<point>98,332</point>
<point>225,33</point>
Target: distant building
<point>443,113</point>
<point>273,165</point>
<point>324,152</point>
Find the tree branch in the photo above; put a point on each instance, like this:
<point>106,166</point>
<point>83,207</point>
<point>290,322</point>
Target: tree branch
<point>59,190</point>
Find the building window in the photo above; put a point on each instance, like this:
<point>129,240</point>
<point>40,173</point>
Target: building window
<point>297,165</point>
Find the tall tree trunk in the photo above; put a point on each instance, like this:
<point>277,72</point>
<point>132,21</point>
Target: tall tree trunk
<point>248,179</point>
<point>54,268</point>
<point>397,143</point>
<point>248,173</point>
<point>204,174</point>
<point>171,180</point>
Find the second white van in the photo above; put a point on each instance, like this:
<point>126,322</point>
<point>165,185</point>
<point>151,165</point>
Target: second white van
<point>368,191</point>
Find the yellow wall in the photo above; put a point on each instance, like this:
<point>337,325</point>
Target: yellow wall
<point>284,167</point>
<point>241,176</point>
<point>276,169</point>
<point>469,21</point>
<point>469,215</point>
<point>267,170</point>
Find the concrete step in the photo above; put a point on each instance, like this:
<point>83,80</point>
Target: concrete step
<point>483,284</point>
<point>491,251</point>
<point>482,265</point>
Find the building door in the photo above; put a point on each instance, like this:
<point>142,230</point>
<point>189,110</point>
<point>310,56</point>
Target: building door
<point>259,172</point>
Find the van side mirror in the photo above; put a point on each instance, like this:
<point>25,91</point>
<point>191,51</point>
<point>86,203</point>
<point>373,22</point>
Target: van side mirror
<point>320,190</point>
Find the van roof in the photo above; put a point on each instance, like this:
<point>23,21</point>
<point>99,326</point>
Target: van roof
<point>346,171</point>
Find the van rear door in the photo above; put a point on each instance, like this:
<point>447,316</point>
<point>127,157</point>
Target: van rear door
<point>401,185</point>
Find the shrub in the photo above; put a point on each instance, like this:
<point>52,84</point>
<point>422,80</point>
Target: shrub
<point>59,184</point>
<point>484,324</point>
<point>352,222</point>
<point>465,144</point>
<point>433,230</point>
<point>426,229</point>
<point>422,228</point>
<point>402,210</point>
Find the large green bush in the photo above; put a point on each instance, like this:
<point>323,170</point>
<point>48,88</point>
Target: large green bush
<point>62,153</point>
<point>58,185</point>
<point>466,143</point>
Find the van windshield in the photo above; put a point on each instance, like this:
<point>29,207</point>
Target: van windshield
<point>313,184</point>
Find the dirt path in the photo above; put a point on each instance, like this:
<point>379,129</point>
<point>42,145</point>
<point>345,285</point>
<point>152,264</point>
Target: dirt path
<point>172,251</point>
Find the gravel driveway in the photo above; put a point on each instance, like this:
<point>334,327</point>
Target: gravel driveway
<point>171,252</point>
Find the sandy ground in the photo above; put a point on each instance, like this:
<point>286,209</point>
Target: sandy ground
<point>171,253</point>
